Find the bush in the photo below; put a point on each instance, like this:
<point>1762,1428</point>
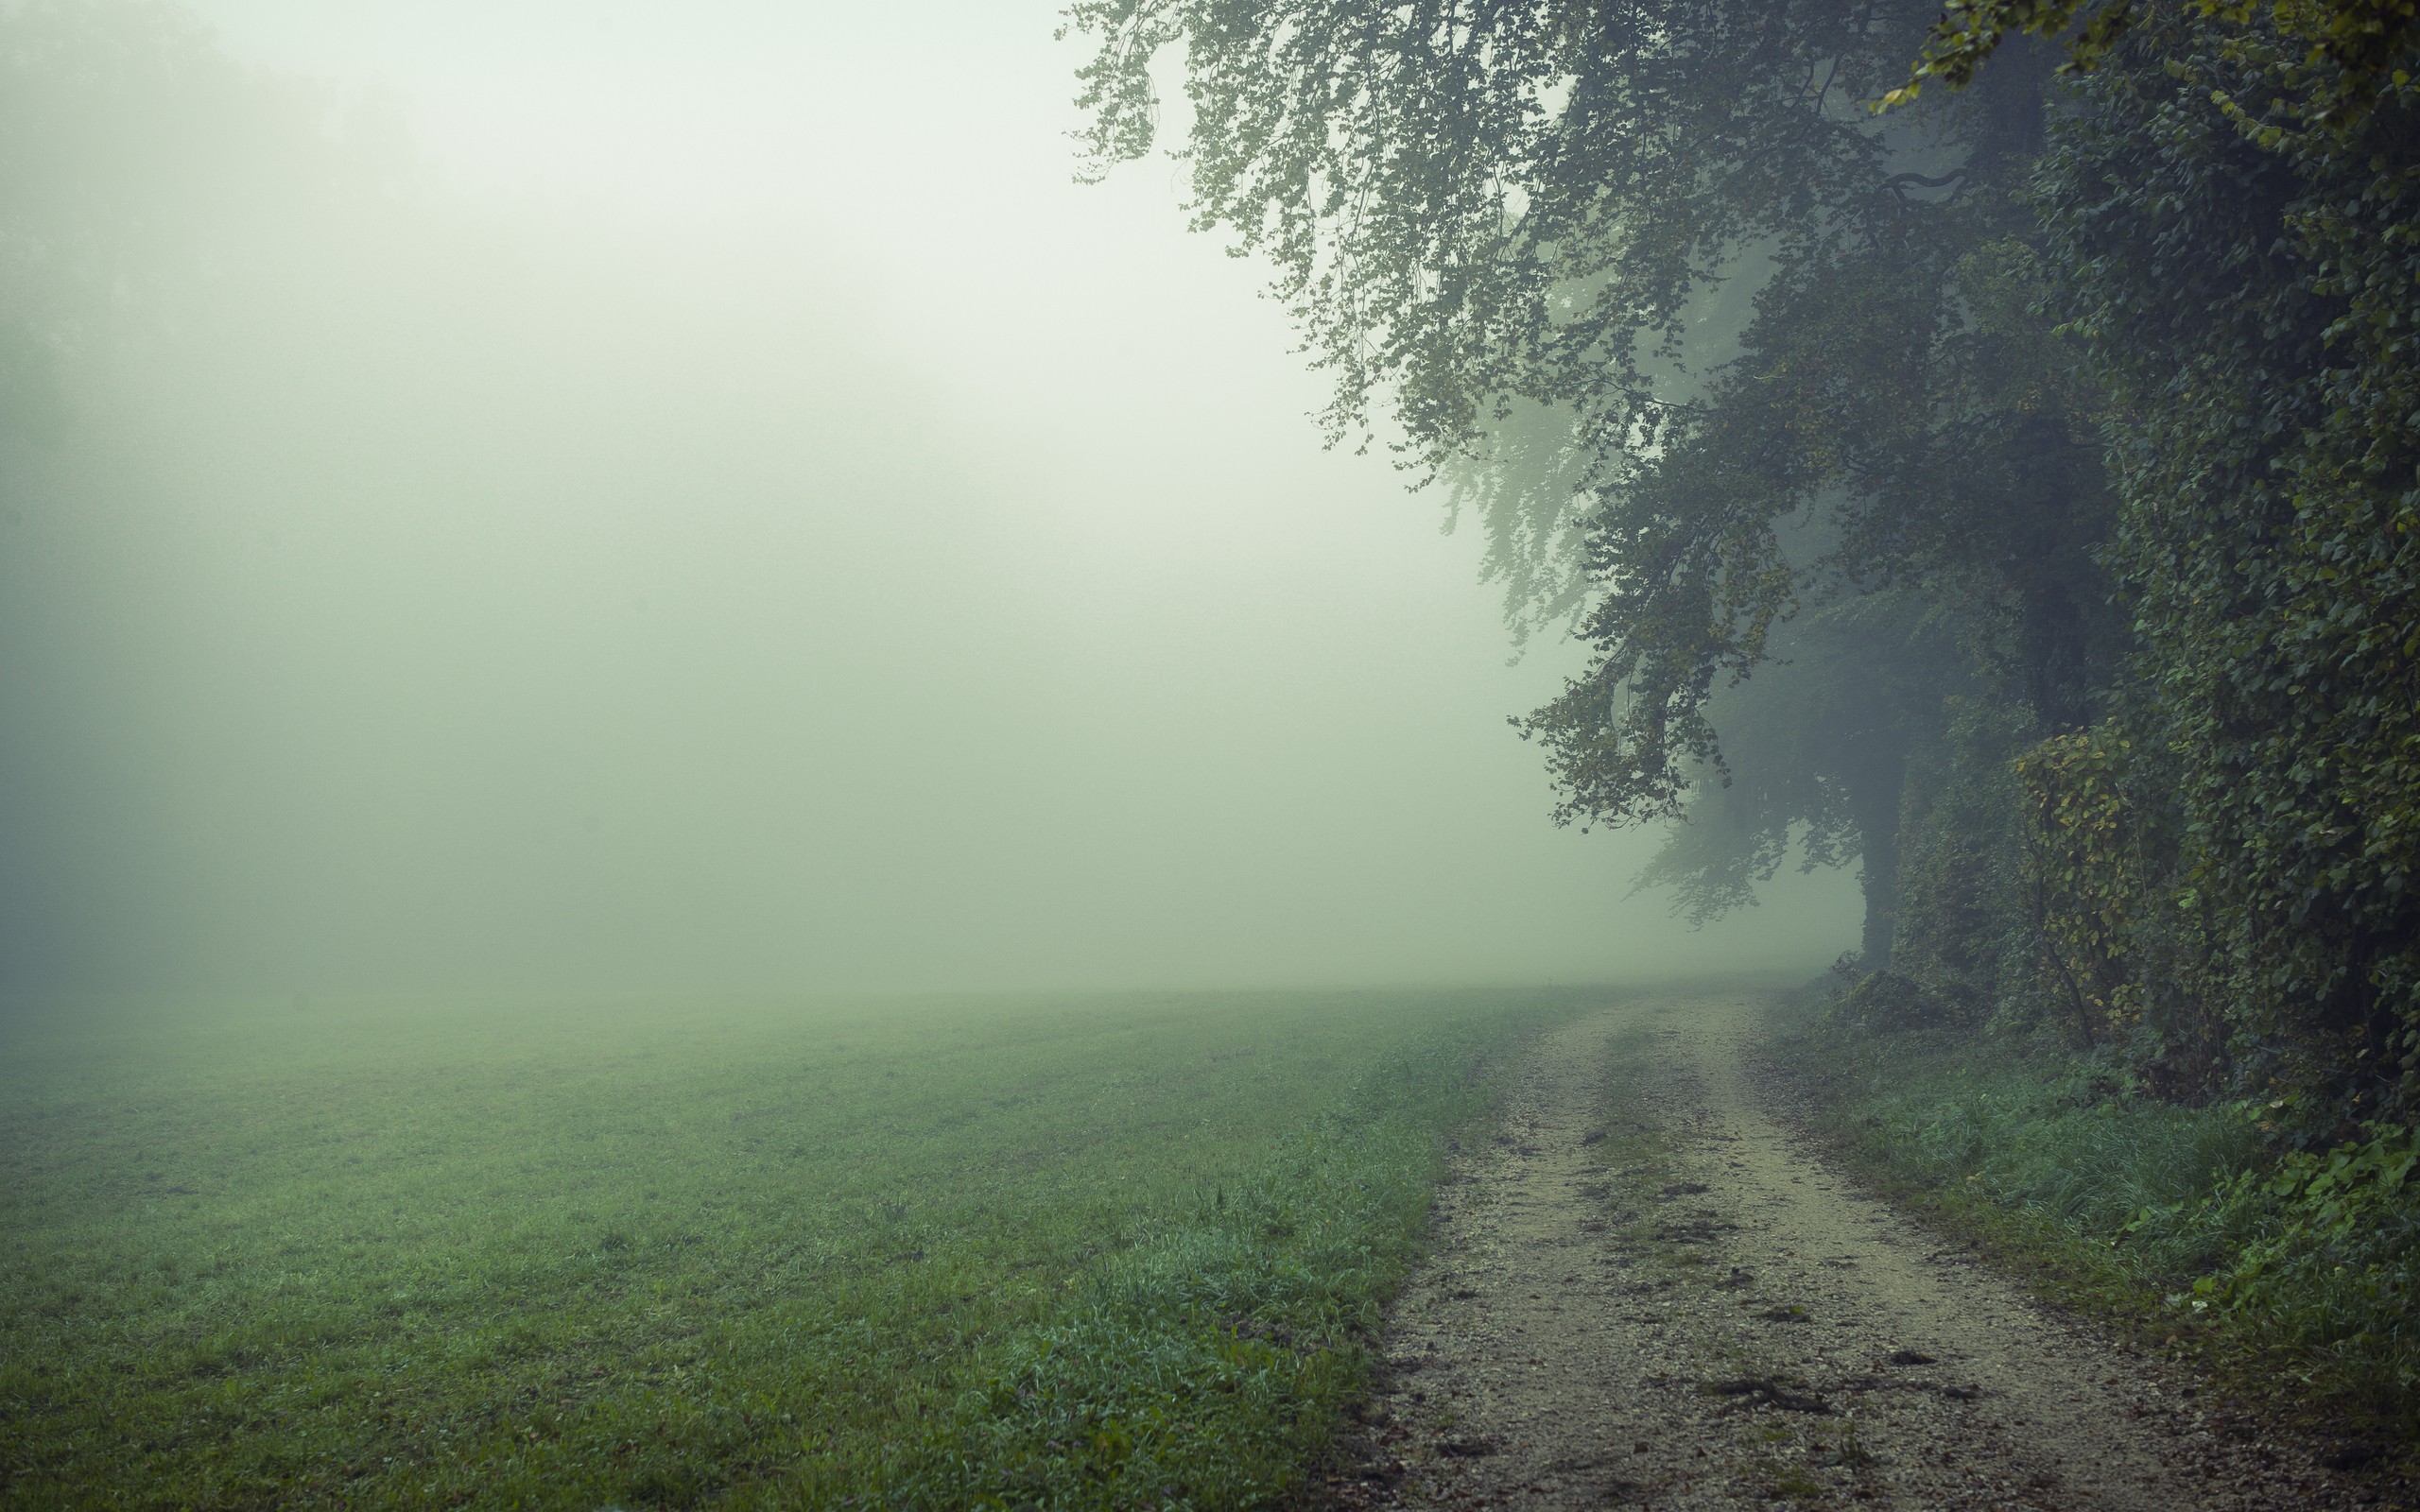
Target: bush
<point>2322,1249</point>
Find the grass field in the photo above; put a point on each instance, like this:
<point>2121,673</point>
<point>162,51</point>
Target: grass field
<point>1100,1253</point>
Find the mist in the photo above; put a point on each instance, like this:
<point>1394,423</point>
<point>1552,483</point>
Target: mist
<point>697,498</point>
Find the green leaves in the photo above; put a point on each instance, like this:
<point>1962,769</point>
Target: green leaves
<point>1970,31</point>
<point>1704,344</point>
<point>2106,380</point>
<point>2248,277</point>
<point>2344,55</point>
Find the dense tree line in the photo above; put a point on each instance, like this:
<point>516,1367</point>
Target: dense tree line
<point>1976,444</point>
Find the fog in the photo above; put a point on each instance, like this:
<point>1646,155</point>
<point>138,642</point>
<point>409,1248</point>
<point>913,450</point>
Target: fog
<point>720,508</point>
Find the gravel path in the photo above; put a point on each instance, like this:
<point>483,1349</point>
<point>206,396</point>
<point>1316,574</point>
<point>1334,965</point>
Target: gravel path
<point>1647,1292</point>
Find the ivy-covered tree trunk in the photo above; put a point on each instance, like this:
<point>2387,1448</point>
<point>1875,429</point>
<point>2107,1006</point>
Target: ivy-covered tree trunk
<point>2251,274</point>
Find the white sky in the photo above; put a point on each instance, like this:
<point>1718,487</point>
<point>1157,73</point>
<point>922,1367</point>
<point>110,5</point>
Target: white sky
<point>1240,707</point>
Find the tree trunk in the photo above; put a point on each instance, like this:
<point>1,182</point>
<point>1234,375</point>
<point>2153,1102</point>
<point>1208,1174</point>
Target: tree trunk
<point>1876,803</point>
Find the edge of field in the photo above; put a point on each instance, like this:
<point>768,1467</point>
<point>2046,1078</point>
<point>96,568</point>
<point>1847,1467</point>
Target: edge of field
<point>2051,1189</point>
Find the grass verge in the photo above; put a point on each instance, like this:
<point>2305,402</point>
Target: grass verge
<point>2182,1225</point>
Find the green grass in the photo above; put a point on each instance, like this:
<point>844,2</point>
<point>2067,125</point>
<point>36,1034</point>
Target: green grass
<point>1093,1253</point>
<point>2174,1222</point>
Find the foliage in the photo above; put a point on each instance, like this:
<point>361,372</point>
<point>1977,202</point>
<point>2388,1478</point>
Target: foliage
<point>2332,1255</point>
<point>2248,286</point>
<point>1969,32</point>
<point>1814,751</point>
<point>1527,484</point>
<point>2108,381</point>
<point>656,1254</point>
<point>2358,46</point>
<point>2289,1275</point>
<point>1966,940</point>
<point>2084,863</point>
<point>2120,940</point>
<point>2041,525</point>
<point>1513,222</point>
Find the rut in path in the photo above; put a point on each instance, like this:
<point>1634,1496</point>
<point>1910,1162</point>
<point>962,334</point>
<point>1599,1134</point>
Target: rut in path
<point>1731,1325</point>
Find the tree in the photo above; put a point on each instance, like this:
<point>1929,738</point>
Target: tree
<point>2246,261</point>
<point>2356,47</point>
<point>2100,368</point>
<point>1816,755</point>
<point>1488,213</point>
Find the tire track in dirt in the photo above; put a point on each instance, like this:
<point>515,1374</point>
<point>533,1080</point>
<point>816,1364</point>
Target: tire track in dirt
<point>1651,1294</point>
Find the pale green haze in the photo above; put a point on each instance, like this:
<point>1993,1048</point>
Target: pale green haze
<point>724,510</point>
<point>707,795</point>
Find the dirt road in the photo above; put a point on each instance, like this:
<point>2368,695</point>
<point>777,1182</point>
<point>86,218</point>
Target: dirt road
<point>1652,1293</point>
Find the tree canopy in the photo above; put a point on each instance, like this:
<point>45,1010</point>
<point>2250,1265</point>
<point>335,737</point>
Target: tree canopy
<point>1536,211</point>
<point>2353,49</point>
<point>1947,478</point>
